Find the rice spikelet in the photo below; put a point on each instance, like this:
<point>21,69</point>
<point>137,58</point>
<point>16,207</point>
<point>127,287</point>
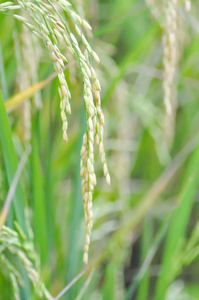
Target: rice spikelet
<point>170,59</point>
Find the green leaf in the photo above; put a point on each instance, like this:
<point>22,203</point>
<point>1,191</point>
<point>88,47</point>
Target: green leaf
<point>149,257</point>
<point>39,215</point>
<point>11,163</point>
<point>147,235</point>
<point>178,226</point>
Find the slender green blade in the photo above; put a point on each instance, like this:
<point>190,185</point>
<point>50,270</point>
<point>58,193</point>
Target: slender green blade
<point>150,255</point>
<point>75,217</point>
<point>39,215</point>
<point>11,163</point>
<point>3,76</point>
<point>147,236</point>
<point>109,288</point>
<point>178,226</point>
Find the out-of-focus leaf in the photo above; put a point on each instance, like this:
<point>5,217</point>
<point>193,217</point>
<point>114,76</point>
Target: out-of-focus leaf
<point>178,226</point>
<point>22,96</point>
<point>11,163</point>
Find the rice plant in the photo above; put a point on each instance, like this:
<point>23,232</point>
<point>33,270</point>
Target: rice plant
<point>87,87</point>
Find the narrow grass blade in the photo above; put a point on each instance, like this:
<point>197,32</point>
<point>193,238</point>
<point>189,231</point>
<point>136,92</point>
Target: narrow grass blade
<point>142,271</point>
<point>146,244</point>
<point>82,291</point>
<point>39,216</point>
<point>178,226</point>
<point>71,283</point>
<point>22,96</point>
<point>8,201</point>
<point>109,287</point>
<point>76,212</point>
<point>11,164</point>
<point>3,76</point>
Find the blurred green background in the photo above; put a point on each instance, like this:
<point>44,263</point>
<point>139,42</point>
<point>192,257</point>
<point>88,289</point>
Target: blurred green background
<point>145,239</point>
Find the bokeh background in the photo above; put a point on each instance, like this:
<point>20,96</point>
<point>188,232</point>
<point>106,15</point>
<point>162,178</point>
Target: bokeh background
<point>144,242</point>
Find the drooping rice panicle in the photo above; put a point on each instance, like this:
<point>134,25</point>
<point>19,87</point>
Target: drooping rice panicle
<point>155,11</point>
<point>170,58</point>
<point>16,244</point>
<point>48,24</point>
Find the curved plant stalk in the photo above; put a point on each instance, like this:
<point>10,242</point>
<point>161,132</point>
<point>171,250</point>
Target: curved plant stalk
<point>15,243</point>
<point>170,59</point>
<point>8,201</point>
<point>10,159</point>
<point>47,23</point>
<point>170,62</point>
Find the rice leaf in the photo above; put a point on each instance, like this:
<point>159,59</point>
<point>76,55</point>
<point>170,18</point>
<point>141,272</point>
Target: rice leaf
<point>178,226</point>
<point>11,163</point>
<point>16,100</point>
<point>39,215</point>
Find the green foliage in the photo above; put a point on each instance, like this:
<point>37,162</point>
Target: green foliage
<point>144,241</point>
<point>10,160</point>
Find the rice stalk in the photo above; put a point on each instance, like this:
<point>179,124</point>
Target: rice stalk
<point>14,242</point>
<point>47,23</point>
<point>28,57</point>
<point>170,59</point>
<point>171,55</point>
